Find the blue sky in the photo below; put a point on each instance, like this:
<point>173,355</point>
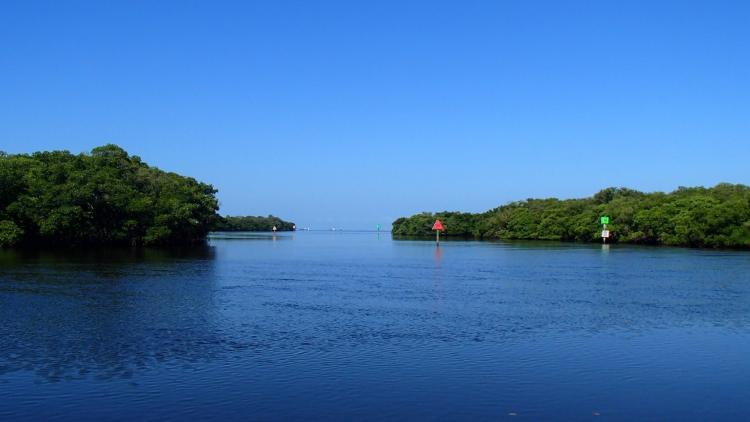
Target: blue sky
<point>349,114</point>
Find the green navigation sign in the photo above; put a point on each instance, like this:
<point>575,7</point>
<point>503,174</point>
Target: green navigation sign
<point>605,220</point>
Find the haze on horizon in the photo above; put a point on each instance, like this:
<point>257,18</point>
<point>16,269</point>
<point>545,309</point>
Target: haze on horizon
<point>349,115</point>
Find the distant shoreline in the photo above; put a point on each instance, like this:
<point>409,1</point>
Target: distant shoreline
<point>449,239</point>
<point>698,217</point>
<point>108,198</point>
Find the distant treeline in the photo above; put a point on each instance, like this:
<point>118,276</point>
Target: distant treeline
<point>698,217</point>
<point>251,224</point>
<point>106,197</point>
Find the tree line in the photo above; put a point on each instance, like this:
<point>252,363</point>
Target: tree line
<point>716,217</point>
<point>251,224</point>
<point>105,197</point>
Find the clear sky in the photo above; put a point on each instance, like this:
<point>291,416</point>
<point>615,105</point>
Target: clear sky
<point>349,114</point>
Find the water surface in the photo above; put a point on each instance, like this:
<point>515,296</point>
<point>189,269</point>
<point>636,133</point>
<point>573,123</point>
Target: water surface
<point>318,325</point>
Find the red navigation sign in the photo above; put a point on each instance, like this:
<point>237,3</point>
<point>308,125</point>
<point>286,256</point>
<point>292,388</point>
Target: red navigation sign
<point>438,225</point>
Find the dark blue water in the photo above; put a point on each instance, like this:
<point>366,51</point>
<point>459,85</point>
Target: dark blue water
<point>356,326</point>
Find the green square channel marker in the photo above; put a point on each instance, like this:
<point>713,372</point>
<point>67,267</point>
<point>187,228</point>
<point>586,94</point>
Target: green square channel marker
<point>605,220</point>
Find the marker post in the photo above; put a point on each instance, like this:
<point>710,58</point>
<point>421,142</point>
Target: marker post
<point>438,227</point>
<point>605,233</point>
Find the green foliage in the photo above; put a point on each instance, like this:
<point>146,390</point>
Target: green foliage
<point>10,234</point>
<point>455,223</point>
<point>698,217</point>
<point>251,224</point>
<point>107,197</point>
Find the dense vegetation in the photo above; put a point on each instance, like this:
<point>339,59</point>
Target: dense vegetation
<point>251,224</point>
<point>698,217</point>
<point>106,197</point>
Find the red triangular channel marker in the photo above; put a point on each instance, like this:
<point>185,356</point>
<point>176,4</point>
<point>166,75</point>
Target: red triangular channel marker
<point>438,225</point>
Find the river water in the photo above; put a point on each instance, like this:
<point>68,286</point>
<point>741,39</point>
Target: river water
<point>358,326</point>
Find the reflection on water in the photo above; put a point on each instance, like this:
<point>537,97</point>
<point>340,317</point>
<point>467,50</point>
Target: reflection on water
<point>358,326</point>
<point>251,236</point>
<point>107,313</point>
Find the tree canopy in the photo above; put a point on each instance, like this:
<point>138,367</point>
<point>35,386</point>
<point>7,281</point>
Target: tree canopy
<point>106,197</point>
<point>251,224</point>
<point>697,217</point>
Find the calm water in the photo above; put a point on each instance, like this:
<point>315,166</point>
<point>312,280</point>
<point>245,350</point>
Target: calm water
<point>357,326</point>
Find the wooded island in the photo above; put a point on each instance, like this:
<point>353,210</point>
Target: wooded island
<point>106,198</point>
<point>717,217</point>
<point>251,224</point>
